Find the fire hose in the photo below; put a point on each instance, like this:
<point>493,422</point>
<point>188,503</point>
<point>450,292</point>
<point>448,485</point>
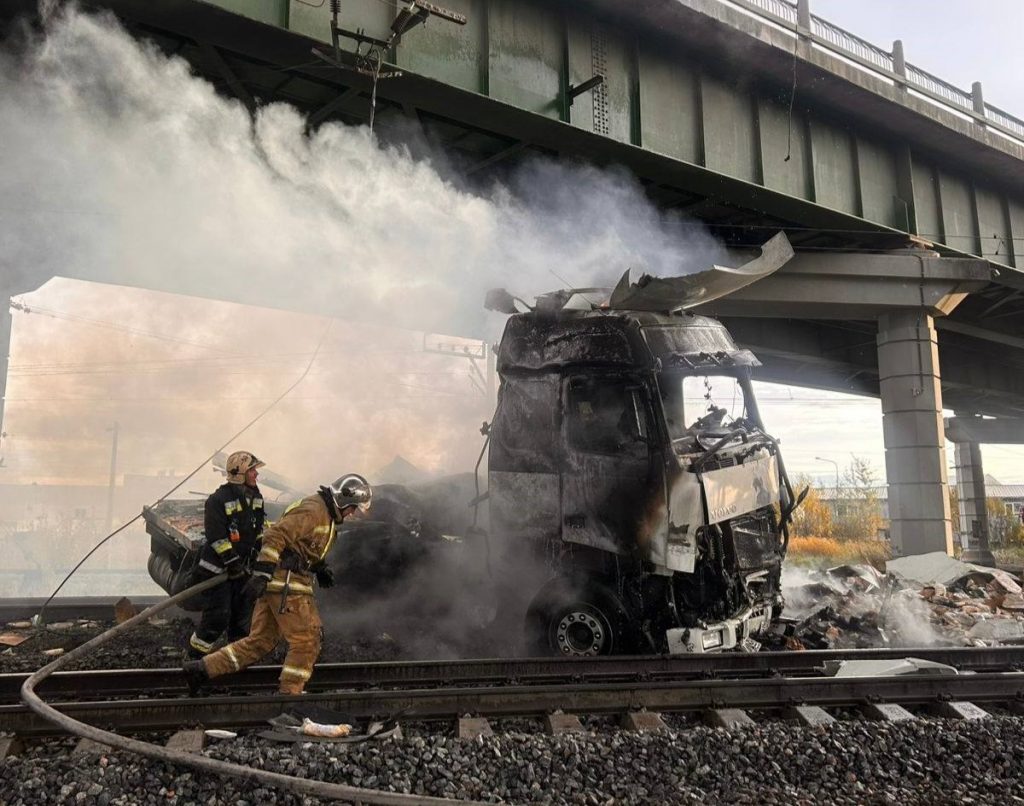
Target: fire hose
<point>304,786</point>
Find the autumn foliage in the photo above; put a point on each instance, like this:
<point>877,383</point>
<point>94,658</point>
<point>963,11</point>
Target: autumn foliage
<point>829,551</point>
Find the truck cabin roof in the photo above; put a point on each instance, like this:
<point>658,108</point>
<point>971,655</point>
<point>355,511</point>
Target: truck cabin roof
<point>550,341</point>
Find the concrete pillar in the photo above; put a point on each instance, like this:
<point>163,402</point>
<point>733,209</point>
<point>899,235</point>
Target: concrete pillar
<point>970,489</point>
<point>915,446</point>
<point>899,61</point>
<point>978,99</point>
<point>803,15</point>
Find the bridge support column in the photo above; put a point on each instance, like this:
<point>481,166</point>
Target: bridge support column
<point>915,449</point>
<point>970,488</point>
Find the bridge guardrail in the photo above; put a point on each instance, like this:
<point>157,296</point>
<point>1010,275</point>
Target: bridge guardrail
<point>797,19</point>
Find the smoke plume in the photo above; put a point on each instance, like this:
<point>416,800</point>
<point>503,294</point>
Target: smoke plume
<point>120,166</point>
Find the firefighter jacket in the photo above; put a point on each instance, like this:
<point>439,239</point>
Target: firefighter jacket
<point>234,519</point>
<point>296,544</point>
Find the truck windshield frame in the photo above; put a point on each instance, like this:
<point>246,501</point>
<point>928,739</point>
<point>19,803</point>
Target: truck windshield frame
<point>723,397</point>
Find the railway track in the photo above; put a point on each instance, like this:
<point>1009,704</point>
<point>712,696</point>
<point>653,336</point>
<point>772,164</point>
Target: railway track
<point>152,699</point>
<point>63,608</point>
<point>492,672</point>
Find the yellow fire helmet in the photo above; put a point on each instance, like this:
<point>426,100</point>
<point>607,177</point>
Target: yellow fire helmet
<point>239,463</point>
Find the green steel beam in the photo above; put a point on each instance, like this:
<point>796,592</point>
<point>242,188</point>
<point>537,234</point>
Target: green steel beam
<point>696,111</point>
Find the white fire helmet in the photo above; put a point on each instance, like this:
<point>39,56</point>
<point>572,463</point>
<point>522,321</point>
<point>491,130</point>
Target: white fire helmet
<point>239,463</point>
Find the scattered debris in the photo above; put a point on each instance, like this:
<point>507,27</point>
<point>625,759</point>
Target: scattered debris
<point>53,653</point>
<point>124,610</point>
<point>887,668</point>
<point>13,638</point>
<point>20,625</point>
<point>217,733</point>
<point>311,728</point>
<point>929,599</point>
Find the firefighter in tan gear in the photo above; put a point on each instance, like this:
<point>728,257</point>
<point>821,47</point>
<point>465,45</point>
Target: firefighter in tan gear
<point>292,554</point>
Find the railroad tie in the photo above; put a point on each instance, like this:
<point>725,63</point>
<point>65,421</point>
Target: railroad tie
<point>472,727</point>
<point>559,722</point>
<point>809,715</point>
<point>958,710</point>
<point>886,712</point>
<point>11,746</point>
<point>188,741</point>
<point>87,747</point>
<point>727,718</point>
<point>643,722</point>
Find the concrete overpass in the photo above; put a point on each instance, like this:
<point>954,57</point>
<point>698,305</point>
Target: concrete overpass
<point>901,192</point>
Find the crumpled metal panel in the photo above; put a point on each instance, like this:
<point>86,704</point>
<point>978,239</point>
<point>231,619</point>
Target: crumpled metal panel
<point>666,294</point>
<point>533,343</point>
<point>733,491</point>
<point>672,536</point>
<point>688,336</point>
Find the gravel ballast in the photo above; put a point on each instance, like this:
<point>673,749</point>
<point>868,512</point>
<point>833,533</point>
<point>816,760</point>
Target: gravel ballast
<point>162,644</point>
<point>924,761</point>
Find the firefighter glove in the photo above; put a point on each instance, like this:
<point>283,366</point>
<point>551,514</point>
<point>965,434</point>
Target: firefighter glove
<point>324,576</point>
<point>235,568</point>
<point>255,587</point>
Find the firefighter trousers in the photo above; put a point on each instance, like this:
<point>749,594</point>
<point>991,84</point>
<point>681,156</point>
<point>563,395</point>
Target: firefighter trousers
<point>225,607</point>
<point>299,625</point>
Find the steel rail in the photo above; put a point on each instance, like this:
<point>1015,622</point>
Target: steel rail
<point>529,671</point>
<point>68,608</point>
<point>509,701</point>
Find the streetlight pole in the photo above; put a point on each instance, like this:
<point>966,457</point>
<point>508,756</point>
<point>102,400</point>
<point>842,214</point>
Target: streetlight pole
<point>835,464</point>
<point>113,476</point>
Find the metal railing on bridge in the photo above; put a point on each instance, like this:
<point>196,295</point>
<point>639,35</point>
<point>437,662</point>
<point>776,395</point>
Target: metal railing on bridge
<point>797,18</point>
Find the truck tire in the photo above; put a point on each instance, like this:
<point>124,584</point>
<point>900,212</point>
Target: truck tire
<point>570,619</point>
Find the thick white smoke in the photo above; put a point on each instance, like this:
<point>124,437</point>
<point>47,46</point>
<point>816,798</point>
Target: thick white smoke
<point>120,165</point>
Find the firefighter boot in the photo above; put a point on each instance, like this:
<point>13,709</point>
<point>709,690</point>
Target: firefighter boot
<point>196,676</point>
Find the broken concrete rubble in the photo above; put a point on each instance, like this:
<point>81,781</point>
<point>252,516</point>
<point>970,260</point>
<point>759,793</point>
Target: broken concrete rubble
<point>925,600</point>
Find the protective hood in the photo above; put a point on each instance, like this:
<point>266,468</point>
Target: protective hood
<point>668,294</point>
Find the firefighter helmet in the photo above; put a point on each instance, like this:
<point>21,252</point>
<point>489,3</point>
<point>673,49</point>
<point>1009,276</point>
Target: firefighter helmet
<point>351,490</point>
<point>239,463</point>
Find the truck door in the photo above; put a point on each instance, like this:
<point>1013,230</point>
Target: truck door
<point>610,475</point>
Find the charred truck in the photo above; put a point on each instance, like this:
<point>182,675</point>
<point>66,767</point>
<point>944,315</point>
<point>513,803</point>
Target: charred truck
<point>627,456</point>
<point>636,502</point>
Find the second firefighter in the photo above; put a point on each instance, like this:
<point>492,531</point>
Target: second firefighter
<point>233,519</point>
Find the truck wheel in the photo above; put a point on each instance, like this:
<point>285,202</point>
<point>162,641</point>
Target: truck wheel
<point>563,620</point>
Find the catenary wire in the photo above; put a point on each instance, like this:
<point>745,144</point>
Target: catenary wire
<point>176,487</point>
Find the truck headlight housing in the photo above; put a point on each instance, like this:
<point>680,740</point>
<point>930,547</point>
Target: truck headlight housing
<point>711,640</point>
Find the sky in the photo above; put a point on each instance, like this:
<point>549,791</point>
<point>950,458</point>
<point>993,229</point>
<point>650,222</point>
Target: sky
<point>960,41</point>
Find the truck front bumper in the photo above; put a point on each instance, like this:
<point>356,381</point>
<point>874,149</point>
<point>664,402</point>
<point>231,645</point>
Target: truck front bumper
<point>720,636</point>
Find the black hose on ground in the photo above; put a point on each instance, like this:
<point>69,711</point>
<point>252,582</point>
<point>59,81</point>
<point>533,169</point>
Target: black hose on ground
<point>304,786</point>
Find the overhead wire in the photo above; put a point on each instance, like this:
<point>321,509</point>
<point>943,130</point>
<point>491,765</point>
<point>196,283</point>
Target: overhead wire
<point>38,618</point>
<point>55,314</point>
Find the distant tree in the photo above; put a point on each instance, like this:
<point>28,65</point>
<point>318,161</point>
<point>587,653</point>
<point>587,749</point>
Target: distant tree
<point>814,517</point>
<point>858,509</point>
<point>1004,527</point>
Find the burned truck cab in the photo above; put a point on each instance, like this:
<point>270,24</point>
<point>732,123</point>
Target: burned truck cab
<point>632,482</point>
